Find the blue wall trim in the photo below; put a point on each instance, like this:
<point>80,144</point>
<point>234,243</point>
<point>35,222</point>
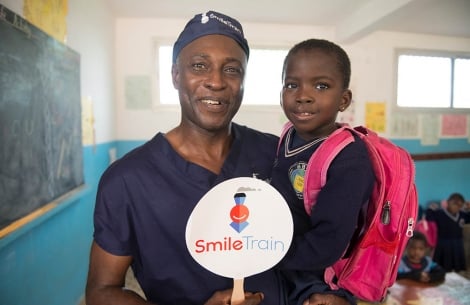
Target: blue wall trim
<point>445,145</point>
<point>46,261</point>
<point>74,198</point>
<point>435,180</point>
<point>124,147</point>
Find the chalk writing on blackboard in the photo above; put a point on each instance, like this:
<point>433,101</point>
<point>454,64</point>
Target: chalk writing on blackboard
<point>40,118</point>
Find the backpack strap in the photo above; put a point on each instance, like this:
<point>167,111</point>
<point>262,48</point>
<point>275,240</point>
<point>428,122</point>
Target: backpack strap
<point>318,164</point>
<point>316,175</point>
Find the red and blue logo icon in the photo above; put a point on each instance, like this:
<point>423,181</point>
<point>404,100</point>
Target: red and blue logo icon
<point>239,213</point>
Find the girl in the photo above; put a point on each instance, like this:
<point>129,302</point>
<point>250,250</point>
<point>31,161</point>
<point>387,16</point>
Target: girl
<point>316,76</point>
<point>417,265</point>
<point>449,252</point>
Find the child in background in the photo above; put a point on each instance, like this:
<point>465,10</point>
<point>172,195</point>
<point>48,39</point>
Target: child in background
<point>428,228</point>
<point>315,78</point>
<point>449,251</point>
<point>417,265</point>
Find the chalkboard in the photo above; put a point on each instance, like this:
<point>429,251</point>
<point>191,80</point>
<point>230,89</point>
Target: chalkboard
<point>40,116</point>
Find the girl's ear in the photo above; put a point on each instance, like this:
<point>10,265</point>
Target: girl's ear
<point>346,99</point>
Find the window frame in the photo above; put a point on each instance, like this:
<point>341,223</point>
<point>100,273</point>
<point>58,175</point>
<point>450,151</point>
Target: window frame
<point>157,105</point>
<point>433,53</point>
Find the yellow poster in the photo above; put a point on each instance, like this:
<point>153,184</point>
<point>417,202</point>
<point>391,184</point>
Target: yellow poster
<point>48,15</point>
<point>375,116</point>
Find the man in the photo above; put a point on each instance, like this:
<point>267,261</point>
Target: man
<point>144,199</point>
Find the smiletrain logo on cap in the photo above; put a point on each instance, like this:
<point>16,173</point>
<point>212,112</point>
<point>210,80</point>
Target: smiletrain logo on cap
<point>204,18</point>
<point>210,23</point>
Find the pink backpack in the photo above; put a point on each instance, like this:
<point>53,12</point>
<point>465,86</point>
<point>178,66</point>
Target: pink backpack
<point>373,263</point>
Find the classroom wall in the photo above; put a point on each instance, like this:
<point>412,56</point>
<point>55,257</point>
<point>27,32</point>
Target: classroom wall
<point>373,79</point>
<point>136,42</point>
<point>45,262</point>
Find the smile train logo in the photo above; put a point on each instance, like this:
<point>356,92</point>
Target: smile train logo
<point>239,213</point>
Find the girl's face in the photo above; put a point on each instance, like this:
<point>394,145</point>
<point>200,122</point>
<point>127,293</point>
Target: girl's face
<point>313,93</point>
<point>454,206</point>
<point>416,250</point>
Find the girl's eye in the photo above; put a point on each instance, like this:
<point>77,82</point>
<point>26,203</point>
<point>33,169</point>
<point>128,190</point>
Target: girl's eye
<point>322,86</point>
<point>290,86</point>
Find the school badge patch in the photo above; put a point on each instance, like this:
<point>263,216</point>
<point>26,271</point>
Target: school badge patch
<point>296,177</point>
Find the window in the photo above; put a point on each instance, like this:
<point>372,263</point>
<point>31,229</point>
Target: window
<point>433,81</point>
<point>167,93</point>
<point>262,81</point>
<point>461,91</point>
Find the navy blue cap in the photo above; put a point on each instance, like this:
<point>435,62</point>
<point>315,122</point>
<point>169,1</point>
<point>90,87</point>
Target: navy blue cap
<point>210,23</point>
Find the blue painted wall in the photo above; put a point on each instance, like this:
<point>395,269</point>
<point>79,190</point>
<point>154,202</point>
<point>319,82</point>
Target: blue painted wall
<point>435,179</point>
<point>46,261</point>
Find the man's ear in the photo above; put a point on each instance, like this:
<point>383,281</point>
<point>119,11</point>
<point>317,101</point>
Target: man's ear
<point>175,75</point>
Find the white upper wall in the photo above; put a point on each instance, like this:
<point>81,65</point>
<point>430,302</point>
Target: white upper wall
<point>372,58</point>
<point>373,61</point>
<point>112,49</point>
<point>136,43</point>
<point>90,31</point>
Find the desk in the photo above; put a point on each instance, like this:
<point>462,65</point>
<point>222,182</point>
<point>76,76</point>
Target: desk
<point>454,291</point>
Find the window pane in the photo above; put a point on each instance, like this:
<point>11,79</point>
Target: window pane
<point>462,83</point>
<point>168,94</point>
<point>262,81</point>
<point>424,81</point>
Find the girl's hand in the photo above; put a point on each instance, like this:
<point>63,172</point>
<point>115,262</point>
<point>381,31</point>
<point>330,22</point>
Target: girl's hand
<point>425,277</point>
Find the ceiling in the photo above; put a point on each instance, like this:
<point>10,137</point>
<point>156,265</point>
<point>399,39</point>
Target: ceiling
<point>352,19</point>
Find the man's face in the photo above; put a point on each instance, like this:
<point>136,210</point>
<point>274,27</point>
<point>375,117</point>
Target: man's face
<point>209,74</point>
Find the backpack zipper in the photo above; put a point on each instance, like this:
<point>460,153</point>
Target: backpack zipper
<point>385,216</point>
<point>409,229</point>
